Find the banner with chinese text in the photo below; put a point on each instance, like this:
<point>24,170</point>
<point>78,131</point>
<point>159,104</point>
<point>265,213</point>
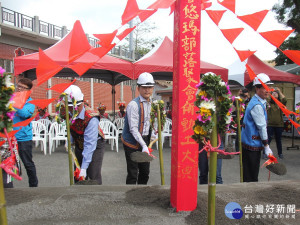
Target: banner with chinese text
<point>186,74</point>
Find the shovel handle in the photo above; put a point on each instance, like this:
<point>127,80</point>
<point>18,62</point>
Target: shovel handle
<point>75,159</point>
<point>152,142</point>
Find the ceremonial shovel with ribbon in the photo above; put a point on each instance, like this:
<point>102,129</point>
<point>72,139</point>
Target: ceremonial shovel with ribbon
<point>81,180</point>
<point>144,156</point>
<point>274,166</point>
<point>77,171</point>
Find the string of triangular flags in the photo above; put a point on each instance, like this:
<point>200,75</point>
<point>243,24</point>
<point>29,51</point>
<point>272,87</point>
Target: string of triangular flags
<point>274,37</point>
<point>47,67</point>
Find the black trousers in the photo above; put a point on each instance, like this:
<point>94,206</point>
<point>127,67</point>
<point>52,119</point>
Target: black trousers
<point>137,173</point>
<point>251,164</point>
<point>278,133</point>
<point>94,170</point>
<point>25,152</point>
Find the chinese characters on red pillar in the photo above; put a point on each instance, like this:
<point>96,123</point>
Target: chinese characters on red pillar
<point>186,76</point>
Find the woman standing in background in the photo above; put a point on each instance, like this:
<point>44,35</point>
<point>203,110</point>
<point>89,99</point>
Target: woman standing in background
<point>275,120</point>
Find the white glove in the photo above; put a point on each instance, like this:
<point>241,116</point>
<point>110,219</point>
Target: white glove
<point>82,173</point>
<point>268,150</point>
<point>145,149</point>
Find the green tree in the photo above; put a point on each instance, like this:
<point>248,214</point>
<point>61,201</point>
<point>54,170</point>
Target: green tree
<point>288,13</point>
<point>142,41</point>
<point>143,38</point>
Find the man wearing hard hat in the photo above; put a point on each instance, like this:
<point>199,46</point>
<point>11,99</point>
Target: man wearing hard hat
<point>136,133</point>
<point>87,136</point>
<point>254,130</point>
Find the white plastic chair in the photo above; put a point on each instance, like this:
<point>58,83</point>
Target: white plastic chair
<point>57,133</point>
<point>166,132</point>
<point>46,122</point>
<point>111,133</point>
<point>119,123</point>
<point>39,132</point>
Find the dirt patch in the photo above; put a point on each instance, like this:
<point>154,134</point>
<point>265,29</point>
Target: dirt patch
<point>151,196</point>
<point>279,194</point>
<point>157,197</point>
<point>17,196</point>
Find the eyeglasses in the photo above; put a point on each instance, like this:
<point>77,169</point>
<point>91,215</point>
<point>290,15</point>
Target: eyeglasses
<point>20,87</point>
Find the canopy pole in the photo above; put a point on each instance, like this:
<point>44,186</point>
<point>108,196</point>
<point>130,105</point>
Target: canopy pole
<point>121,92</point>
<point>49,96</point>
<point>92,93</point>
<point>133,87</point>
<point>113,92</point>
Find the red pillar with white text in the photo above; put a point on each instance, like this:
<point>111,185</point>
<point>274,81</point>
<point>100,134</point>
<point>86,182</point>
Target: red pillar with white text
<point>186,74</point>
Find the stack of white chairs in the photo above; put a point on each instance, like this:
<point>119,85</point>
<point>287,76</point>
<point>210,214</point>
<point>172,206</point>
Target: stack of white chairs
<point>166,132</point>
<point>46,122</point>
<point>111,133</point>
<point>57,133</point>
<point>39,132</point>
<point>119,123</point>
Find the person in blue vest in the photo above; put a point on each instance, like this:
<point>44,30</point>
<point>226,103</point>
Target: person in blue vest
<point>136,133</point>
<point>254,130</point>
<point>24,136</point>
<point>87,137</point>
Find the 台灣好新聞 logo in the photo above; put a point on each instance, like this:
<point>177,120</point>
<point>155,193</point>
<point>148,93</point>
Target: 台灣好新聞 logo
<point>233,210</point>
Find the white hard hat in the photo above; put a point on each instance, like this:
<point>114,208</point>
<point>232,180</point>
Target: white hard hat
<point>75,92</point>
<point>263,77</point>
<point>145,80</point>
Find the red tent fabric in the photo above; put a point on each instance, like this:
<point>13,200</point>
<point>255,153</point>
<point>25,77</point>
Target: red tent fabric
<point>259,66</point>
<point>159,62</point>
<point>60,54</point>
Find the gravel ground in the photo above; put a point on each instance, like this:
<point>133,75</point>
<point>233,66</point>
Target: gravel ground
<point>55,202</point>
<point>52,170</point>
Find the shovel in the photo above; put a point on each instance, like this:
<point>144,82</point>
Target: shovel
<point>274,166</point>
<point>277,168</point>
<point>140,157</point>
<point>81,180</point>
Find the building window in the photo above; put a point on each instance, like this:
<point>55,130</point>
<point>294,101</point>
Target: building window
<point>7,65</point>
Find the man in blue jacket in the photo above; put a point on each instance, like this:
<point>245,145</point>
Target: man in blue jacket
<point>254,131</point>
<point>24,136</point>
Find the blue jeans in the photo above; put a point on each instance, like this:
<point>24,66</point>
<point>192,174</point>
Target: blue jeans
<point>25,152</point>
<point>278,133</point>
<point>203,167</point>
